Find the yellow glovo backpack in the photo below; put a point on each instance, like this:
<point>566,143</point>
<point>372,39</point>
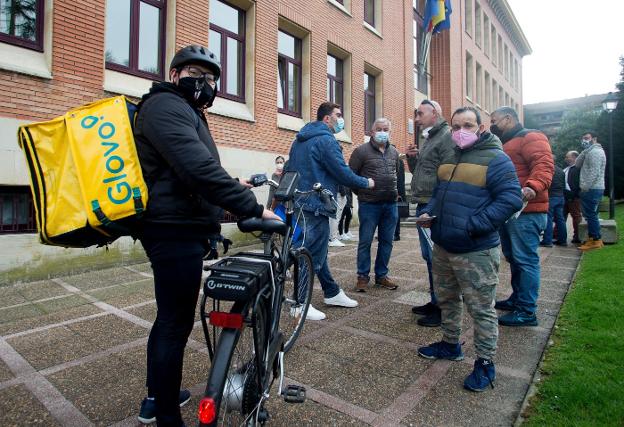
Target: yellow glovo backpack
<point>85,175</point>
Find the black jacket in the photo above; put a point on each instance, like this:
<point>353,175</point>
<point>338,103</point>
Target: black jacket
<point>574,177</point>
<point>368,160</point>
<point>181,167</point>
<point>557,186</point>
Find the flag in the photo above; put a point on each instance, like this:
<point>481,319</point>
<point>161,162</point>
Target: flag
<point>437,16</point>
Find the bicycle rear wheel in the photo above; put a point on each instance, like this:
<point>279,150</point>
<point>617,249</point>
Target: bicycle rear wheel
<point>233,381</point>
<point>298,284</point>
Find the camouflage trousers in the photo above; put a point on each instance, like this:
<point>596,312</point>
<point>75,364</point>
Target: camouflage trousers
<point>473,275</point>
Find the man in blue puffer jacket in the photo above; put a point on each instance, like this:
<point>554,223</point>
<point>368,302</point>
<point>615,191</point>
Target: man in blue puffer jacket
<point>316,155</point>
<point>472,200</point>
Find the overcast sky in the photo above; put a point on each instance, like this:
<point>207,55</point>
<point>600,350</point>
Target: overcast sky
<point>576,47</point>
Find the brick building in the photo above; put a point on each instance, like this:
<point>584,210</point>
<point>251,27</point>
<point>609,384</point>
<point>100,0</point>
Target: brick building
<point>281,59</point>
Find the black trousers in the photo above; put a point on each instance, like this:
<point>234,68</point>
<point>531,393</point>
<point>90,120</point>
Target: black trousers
<point>344,219</point>
<point>177,267</point>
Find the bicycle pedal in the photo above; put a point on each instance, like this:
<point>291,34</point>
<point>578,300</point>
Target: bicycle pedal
<point>294,394</point>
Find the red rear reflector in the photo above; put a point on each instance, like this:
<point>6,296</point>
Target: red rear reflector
<point>226,320</point>
<point>207,411</point>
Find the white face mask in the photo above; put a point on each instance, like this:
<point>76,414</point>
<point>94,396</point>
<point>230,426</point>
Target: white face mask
<point>279,166</point>
<point>425,132</point>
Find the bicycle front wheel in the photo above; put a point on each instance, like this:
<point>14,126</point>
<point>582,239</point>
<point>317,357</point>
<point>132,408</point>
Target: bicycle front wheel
<point>298,284</point>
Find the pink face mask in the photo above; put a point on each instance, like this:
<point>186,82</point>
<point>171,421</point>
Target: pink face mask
<point>464,138</point>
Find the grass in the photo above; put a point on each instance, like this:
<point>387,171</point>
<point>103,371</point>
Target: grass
<point>583,372</point>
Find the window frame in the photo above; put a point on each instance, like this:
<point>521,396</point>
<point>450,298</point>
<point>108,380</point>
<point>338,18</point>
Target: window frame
<point>469,76</point>
<point>335,79</point>
<point>37,45</point>
<point>367,93</point>
<point>478,25</point>
<point>423,78</point>
<point>469,16</point>
<point>223,54</point>
<point>372,24</point>
<point>295,62</point>
<point>135,21</point>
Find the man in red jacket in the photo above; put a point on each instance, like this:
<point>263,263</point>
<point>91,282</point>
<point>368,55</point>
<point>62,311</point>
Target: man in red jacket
<point>520,236</point>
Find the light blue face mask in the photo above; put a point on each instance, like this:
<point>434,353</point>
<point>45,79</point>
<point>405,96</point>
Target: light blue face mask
<point>339,126</point>
<point>585,144</point>
<point>382,137</point>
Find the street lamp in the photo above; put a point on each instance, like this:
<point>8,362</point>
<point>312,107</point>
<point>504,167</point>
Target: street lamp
<point>609,105</point>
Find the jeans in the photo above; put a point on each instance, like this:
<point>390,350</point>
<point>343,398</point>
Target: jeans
<point>177,267</point>
<point>555,214</point>
<point>383,217</point>
<point>315,238</point>
<point>520,239</point>
<point>426,250</point>
<point>590,200</point>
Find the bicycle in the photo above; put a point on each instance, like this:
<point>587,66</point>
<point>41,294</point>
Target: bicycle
<point>259,304</point>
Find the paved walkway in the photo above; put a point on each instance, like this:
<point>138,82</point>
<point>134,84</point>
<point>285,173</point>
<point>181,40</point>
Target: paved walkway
<point>72,351</point>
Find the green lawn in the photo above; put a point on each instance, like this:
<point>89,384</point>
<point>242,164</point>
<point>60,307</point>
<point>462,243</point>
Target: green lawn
<point>583,372</point>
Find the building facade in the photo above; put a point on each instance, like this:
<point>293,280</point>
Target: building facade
<point>280,58</point>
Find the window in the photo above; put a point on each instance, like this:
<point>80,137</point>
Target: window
<point>369,101</point>
<point>17,213</point>
<point>135,37</point>
<point>369,12</point>
<point>21,23</point>
<point>289,72</point>
<point>468,16</point>
<point>500,54</point>
<point>420,76</point>
<point>486,35</point>
<point>478,24</point>
<point>506,99</point>
<point>495,103</point>
<point>469,77</point>
<point>487,99</point>
<point>501,97</point>
<point>494,49</point>
<point>227,42</point>
<point>335,80</point>
<point>506,60</point>
<point>479,94</point>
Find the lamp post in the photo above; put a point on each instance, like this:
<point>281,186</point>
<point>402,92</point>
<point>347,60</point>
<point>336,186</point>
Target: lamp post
<point>609,105</point>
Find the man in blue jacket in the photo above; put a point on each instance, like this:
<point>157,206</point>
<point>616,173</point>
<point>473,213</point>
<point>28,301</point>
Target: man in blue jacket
<point>316,155</point>
<point>472,200</point>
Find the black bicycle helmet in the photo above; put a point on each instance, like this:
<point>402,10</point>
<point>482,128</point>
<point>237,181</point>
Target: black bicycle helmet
<point>198,55</point>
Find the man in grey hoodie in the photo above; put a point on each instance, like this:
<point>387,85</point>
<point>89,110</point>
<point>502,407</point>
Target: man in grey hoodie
<point>591,162</point>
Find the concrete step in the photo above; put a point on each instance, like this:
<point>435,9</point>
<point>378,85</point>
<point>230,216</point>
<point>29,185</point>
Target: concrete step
<point>608,230</point>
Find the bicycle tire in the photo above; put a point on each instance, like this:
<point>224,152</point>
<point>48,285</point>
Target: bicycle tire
<point>233,381</point>
<point>298,285</point>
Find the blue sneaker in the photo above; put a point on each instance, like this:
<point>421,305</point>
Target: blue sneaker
<point>147,414</point>
<point>518,318</point>
<point>482,375</point>
<point>505,304</point>
<point>442,350</point>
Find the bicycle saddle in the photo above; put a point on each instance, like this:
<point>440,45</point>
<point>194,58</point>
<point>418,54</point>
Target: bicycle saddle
<point>250,225</point>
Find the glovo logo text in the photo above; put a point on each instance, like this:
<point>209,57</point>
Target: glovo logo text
<point>118,189</point>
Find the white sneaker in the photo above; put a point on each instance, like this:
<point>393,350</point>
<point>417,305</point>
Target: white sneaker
<point>335,243</point>
<point>314,314</point>
<point>345,236</point>
<point>341,300</point>
<point>349,235</point>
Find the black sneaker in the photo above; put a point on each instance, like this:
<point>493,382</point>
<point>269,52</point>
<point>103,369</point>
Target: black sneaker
<point>432,320</point>
<point>147,414</point>
<point>424,309</point>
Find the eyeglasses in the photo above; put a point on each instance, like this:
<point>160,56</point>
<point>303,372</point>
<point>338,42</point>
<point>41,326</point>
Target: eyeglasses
<point>196,73</point>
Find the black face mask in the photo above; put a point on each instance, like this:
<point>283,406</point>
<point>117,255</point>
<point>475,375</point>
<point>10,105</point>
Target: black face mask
<point>197,91</point>
<point>496,131</point>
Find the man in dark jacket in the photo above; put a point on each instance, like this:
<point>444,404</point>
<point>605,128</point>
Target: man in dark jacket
<point>401,191</point>
<point>472,201</point>
<point>377,207</point>
<point>555,211</point>
<point>531,155</point>
<point>316,155</point>
<point>423,162</point>
<point>572,194</point>
<point>187,189</point>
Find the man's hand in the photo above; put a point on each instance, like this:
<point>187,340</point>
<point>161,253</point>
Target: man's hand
<point>267,214</point>
<point>371,183</point>
<point>245,182</point>
<point>412,151</point>
<point>528,193</point>
<point>424,223</point>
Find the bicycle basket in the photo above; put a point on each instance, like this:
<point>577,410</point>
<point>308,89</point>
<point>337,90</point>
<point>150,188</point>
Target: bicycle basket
<point>235,279</point>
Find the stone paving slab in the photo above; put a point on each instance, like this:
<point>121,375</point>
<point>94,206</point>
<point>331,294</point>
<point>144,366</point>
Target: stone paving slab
<point>72,350</point>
